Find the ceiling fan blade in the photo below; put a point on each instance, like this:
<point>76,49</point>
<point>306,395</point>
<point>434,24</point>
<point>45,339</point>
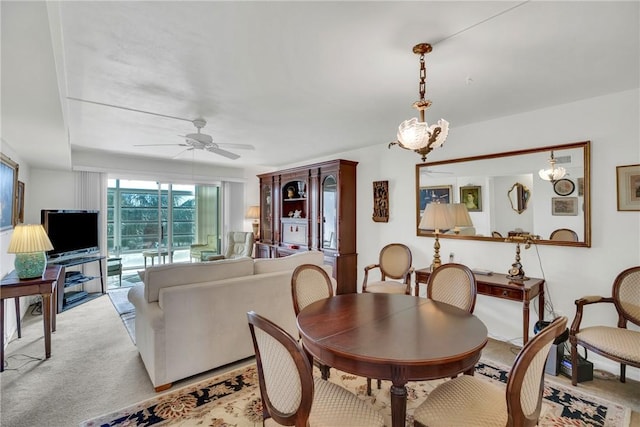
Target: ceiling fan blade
<point>237,146</point>
<point>223,153</point>
<point>180,153</point>
<point>157,145</point>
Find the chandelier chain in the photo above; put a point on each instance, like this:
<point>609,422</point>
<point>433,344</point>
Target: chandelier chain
<point>423,77</point>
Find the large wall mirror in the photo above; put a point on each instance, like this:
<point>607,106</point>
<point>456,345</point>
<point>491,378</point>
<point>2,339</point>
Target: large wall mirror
<point>509,198</point>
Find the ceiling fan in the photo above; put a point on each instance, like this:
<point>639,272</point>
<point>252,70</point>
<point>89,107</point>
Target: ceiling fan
<point>202,141</point>
<point>193,141</point>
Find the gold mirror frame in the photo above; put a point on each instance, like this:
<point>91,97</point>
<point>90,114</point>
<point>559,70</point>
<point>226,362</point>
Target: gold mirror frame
<point>511,158</point>
<point>518,196</point>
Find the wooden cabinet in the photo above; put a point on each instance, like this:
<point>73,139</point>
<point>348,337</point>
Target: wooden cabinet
<point>312,207</point>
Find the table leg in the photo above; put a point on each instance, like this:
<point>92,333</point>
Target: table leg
<point>2,335</point>
<point>541,303</point>
<point>54,305</point>
<point>398,405</point>
<point>17,299</point>
<point>145,261</point>
<point>525,322</point>
<point>46,317</point>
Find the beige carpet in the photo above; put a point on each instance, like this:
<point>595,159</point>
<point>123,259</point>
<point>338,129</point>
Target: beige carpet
<point>95,369</point>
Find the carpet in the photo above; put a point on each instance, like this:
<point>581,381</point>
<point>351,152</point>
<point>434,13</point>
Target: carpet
<point>125,309</point>
<point>233,399</point>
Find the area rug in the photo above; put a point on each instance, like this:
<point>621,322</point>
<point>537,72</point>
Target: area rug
<point>125,309</point>
<point>233,399</point>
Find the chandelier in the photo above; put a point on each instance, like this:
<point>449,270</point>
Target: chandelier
<point>553,173</point>
<point>416,134</point>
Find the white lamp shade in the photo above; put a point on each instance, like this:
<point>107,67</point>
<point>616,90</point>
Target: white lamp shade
<point>253,212</point>
<point>437,216</point>
<point>552,174</point>
<point>460,213</point>
<point>29,238</point>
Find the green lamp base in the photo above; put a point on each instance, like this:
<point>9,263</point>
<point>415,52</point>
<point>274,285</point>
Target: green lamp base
<point>30,265</point>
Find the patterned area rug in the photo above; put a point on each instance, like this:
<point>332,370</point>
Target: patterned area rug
<point>233,399</point>
<point>125,309</point>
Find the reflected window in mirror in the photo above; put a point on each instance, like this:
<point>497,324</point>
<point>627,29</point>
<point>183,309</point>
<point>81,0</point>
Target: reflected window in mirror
<point>529,205</point>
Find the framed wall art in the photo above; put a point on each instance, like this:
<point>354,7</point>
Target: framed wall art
<point>471,196</point>
<point>441,193</point>
<point>564,206</point>
<point>628,187</point>
<point>563,187</point>
<point>8,199</point>
<point>381,201</point>
<point>20,203</point>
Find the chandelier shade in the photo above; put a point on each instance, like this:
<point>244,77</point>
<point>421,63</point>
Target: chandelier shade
<point>554,173</point>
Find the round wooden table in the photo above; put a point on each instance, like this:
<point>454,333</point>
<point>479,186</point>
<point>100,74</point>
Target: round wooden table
<point>392,337</point>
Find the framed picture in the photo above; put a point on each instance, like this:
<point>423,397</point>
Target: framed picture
<point>564,206</point>
<point>580,186</point>
<point>20,203</point>
<point>381,201</point>
<point>471,196</point>
<point>563,187</point>
<point>628,186</point>
<point>9,180</point>
<point>441,193</point>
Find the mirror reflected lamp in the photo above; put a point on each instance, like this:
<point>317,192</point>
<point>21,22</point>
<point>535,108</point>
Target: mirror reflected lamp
<point>417,135</point>
<point>437,216</point>
<point>516,272</point>
<point>461,217</point>
<point>29,242</point>
<point>253,212</point>
<point>553,173</point>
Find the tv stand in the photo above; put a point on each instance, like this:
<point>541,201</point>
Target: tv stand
<point>75,297</point>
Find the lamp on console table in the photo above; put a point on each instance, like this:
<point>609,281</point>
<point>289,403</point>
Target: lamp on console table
<point>254,213</point>
<point>29,242</point>
<point>461,216</point>
<point>437,216</point>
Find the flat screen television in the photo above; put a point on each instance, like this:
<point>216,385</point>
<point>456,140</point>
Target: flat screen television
<point>72,232</point>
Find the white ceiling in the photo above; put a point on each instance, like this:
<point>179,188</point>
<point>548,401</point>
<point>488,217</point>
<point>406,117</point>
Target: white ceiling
<point>297,80</point>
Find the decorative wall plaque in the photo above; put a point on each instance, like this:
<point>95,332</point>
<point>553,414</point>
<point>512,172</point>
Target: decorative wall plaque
<point>381,201</point>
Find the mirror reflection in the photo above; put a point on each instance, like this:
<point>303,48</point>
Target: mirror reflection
<point>533,204</point>
<point>518,197</point>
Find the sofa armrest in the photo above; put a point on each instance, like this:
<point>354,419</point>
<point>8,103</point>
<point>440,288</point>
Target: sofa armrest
<point>144,309</point>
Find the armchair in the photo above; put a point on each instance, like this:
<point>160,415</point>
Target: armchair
<point>616,343</point>
<point>394,263</point>
<point>197,248</point>
<point>239,244</point>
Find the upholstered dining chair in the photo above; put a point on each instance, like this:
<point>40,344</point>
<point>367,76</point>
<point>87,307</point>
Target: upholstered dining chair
<point>310,283</point>
<point>564,234</point>
<point>291,396</point>
<point>453,284</point>
<point>394,263</point>
<point>616,343</point>
<point>469,401</point>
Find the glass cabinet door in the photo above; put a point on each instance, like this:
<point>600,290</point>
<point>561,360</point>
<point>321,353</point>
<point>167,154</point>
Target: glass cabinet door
<point>329,213</point>
<point>266,232</point>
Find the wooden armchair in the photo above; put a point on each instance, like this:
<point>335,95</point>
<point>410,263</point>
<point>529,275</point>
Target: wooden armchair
<point>564,234</point>
<point>394,263</point>
<point>616,343</point>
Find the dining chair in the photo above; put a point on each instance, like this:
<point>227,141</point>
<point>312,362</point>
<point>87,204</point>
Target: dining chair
<point>616,343</point>
<point>310,283</point>
<point>291,396</point>
<point>564,234</point>
<point>453,284</point>
<point>394,262</point>
<point>470,401</point>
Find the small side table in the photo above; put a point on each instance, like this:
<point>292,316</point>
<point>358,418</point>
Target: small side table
<point>13,287</point>
<point>152,253</point>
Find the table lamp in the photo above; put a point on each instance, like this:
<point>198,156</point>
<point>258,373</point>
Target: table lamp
<point>461,216</point>
<point>254,213</point>
<point>29,242</point>
<point>437,216</point>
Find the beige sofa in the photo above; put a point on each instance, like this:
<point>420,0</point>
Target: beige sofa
<point>191,318</point>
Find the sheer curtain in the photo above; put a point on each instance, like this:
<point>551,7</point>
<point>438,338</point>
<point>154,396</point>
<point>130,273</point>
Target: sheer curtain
<point>90,189</point>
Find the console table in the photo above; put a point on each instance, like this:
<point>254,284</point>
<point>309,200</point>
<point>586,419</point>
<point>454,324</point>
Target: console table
<point>12,287</point>
<point>500,286</point>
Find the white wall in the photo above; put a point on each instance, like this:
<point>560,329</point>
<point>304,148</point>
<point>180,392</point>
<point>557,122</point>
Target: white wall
<point>611,123</point>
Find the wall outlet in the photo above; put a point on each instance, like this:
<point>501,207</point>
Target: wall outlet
<point>451,257</point>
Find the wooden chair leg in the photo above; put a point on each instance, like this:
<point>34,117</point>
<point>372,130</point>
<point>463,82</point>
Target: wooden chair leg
<point>623,371</point>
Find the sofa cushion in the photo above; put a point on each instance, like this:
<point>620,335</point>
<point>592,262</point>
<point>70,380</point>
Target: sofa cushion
<point>271,265</point>
<point>163,276</point>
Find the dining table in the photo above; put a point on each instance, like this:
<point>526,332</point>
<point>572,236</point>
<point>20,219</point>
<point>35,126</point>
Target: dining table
<point>399,338</point>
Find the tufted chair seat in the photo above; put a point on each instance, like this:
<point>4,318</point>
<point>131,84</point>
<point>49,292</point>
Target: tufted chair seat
<point>616,343</point>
